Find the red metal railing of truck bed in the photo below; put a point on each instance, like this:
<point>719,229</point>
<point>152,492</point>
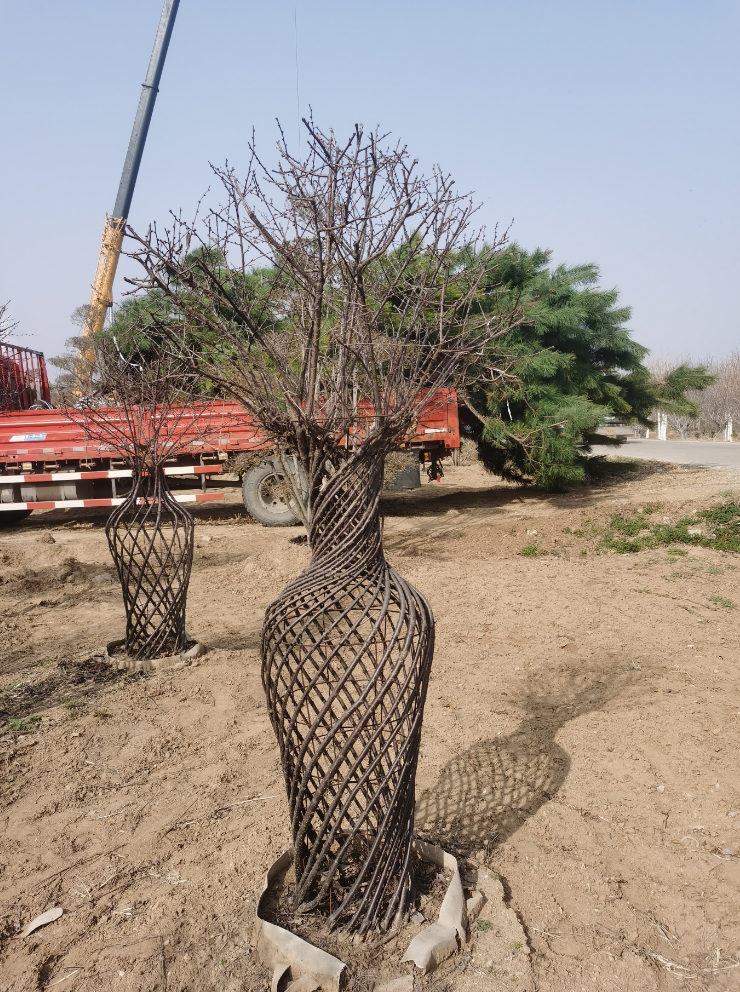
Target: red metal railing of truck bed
<point>50,436</point>
<point>23,380</point>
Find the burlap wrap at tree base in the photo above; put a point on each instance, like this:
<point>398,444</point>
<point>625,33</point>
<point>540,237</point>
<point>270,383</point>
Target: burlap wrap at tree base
<point>151,540</point>
<point>346,655</point>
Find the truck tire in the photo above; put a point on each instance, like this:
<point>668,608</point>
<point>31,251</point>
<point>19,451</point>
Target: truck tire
<point>262,501</point>
<point>8,517</point>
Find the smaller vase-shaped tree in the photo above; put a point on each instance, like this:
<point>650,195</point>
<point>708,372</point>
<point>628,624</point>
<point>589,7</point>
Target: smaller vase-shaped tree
<point>142,410</point>
<point>337,295</point>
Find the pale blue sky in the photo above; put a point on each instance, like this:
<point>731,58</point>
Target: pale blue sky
<point>607,131</point>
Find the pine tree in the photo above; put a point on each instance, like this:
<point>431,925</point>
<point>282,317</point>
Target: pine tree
<point>568,367</point>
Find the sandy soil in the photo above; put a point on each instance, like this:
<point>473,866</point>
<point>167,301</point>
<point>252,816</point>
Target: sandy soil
<point>581,740</point>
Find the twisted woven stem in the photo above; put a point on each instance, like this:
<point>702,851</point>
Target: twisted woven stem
<point>346,655</point>
<point>151,541</point>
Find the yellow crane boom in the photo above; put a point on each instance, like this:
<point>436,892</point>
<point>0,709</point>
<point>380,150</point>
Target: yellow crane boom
<point>102,290</point>
<point>101,297</point>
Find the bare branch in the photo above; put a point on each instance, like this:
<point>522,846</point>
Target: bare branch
<point>332,296</point>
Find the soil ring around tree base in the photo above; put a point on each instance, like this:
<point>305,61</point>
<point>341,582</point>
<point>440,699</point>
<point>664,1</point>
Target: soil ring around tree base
<point>115,655</point>
<point>292,958</point>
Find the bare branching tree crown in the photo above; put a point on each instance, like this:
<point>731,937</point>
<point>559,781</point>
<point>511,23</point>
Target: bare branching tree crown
<point>7,324</point>
<point>141,409</point>
<point>331,296</point>
<point>334,297</point>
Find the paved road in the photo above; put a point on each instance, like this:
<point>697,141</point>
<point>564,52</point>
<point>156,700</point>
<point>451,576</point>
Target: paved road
<point>710,454</point>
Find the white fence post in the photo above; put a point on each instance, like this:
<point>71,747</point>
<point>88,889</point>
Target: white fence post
<point>727,433</point>
<point>662,425</point>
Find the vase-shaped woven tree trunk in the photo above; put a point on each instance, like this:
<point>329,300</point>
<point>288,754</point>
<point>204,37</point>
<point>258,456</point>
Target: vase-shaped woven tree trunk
<point>346,654</point>
<point>151,540</point>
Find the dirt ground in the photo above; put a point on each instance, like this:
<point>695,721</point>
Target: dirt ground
<point>581,741</point>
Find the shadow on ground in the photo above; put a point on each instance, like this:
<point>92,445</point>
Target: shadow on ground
<point>428,501</point>
<point>431,500</point>
<point>483,795</point>
<point>70,683</point>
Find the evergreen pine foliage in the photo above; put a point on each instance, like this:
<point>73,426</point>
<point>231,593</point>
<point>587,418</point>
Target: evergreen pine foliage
<point>569,368</point>
<point>543,393</point>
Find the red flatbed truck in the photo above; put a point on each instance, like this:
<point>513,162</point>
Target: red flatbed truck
<point>48,462</point>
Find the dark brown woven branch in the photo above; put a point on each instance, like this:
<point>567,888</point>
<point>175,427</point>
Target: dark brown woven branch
<point>346,654</point>
<point>151,540</point>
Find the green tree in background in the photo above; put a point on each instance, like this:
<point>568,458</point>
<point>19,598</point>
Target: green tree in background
<point>542,394</point>
<point>136,322</point>
<point>555,381</point>
<point>135,328</point>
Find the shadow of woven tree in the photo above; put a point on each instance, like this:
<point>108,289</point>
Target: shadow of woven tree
<point>483,795</point>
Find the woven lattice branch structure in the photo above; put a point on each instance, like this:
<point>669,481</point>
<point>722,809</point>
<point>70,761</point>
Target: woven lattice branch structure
<point>143,409</point>
<point>344,290</point>
<point>151,539</point>
<point>347,650</point>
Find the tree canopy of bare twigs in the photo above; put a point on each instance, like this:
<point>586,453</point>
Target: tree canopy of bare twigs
<point>680,390</point>
<point>719,404</point>
<point>336,293</point>
<point>145,412</point>
<point>7,324</point>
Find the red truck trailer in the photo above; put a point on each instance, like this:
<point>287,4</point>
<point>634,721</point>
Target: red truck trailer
<point>48,462</point>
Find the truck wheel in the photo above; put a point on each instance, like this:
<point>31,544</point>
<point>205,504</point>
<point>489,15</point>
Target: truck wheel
<point>13,516</point>
<point>262,492</point>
